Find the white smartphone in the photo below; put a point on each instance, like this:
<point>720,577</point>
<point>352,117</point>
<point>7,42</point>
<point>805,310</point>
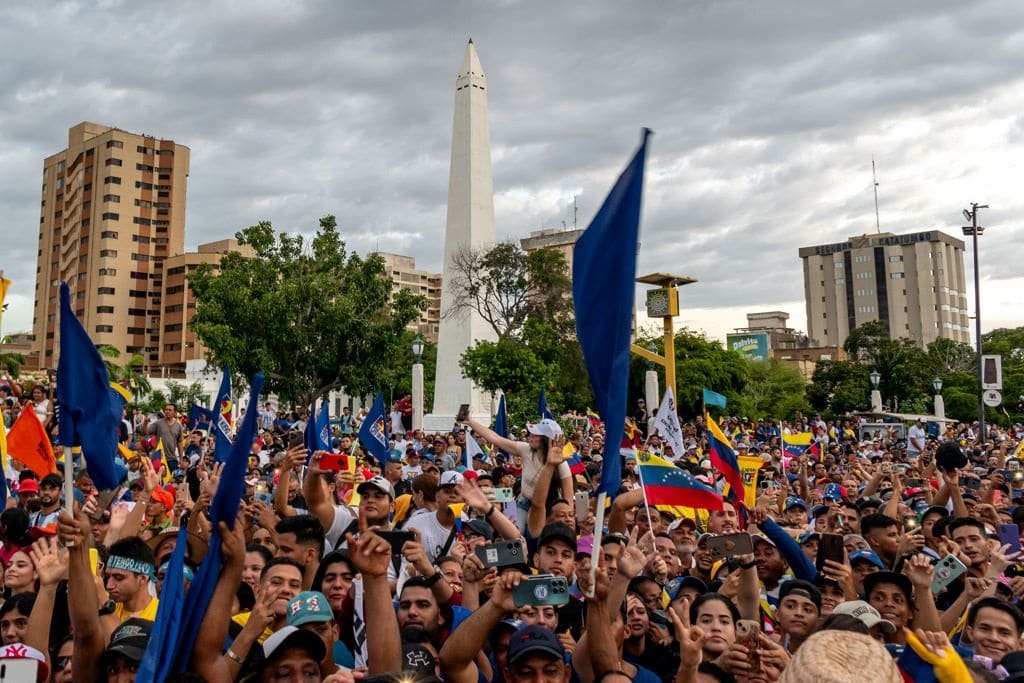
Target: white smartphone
<point>582,501</point>
<point>19,670</point>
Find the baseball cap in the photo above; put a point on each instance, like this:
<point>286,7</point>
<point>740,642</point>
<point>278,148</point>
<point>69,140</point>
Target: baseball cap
<point>833,492</point>
<point>28,486</point>
<point>868,555</point>
<point>534,640</point>
<point>867,614</point>
<point>818,511</point>
<point>935,508</point>
<point>585,545</point>
<point>870,501</point>
<point>394,455</point>
<point>808,536</point>
<point>379,483</point>
<point>794,502</point>
<point>764,539</point>
<point>130,639</point>
<point>163,497</point>
<point>480,528</point>
<point>689,521</point>
<point>674,587</point>
<point>546,427</point>
<point>290,636</point>
<point>450,478</point>
<point>556,531</point>
<point>309,607</point>
<point>52,480</point>
<point>23,651</point>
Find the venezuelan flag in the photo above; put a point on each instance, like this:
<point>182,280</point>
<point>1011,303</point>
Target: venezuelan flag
<point>666,484</point>
<point>722,456</point>
<point>795,445</point>
<point>573,459</point>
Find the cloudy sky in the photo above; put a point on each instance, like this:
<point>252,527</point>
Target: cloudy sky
<point>766,117</point>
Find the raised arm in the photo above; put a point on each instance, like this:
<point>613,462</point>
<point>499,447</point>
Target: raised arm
<point>537,517</point>
<point>493,438</point>
<point>207,658</point>
<point>623,502</point>
<point>459,651</point>
<point>51,563</point>
<point>371,556</point>
<point>475,498</point>
<point>291,458</point>
<point>313,492</point>
<point>83,603</point>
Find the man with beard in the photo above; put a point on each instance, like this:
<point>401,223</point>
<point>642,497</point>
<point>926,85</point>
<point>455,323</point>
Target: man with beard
<point>724,521</point>
<point>45,519</point>
<point>683,533</point>
<point>418,608</point>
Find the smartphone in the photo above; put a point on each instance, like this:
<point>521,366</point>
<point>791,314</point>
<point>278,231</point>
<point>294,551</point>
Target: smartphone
<point>19,670</point>
<point>902,468</point>
<point>463,413</point>
<point>830,547</point>
<point>336,462</point>
<point>910,523</point>
<point>502,554</point>
<point>970,483</point>
<point>947,570</point>
<point>729,545</point>
<point>747,634</point>
<point>887,468</point>
<point>1009,534</point>
<point>914,483</point>
<point>261,492</point>
<point>1013,465</point>
<point>503,495</point>
<point>582,501</point>
<point>541,589</point>
<point>397,539</point>
<point>295,439</point>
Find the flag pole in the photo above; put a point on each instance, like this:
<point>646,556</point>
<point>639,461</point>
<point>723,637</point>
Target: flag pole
<point>69,485</point>
<point>647,506</point>
<point>598,529</point>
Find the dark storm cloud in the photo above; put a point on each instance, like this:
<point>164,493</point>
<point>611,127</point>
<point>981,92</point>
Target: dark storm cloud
<point>766,118</point>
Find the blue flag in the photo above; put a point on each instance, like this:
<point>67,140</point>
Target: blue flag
<point>713,398</point>
<point>542,406</point>
<point>181,636</point>
<point>373,433</point>
<point>199,417</point>
<point>89,415</point>
<point>603,271</point>
<point>317,436</point>
<point>501,421</point>
<point>156,662</point>
<point>221,415</point>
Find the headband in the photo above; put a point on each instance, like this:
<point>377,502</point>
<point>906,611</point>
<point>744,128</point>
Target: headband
<point>127,564</point>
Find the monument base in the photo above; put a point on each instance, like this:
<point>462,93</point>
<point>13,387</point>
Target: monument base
<point>443,423</point>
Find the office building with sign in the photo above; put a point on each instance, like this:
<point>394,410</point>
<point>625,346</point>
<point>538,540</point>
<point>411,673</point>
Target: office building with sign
<point>913,283</point>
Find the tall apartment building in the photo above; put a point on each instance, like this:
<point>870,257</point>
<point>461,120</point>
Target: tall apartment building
<point>553,238</point>
<point>112,211</point>
<point>405,275</point>
<point>178,343</point>
<point>914,283</point>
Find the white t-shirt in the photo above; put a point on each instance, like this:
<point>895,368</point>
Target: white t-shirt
<point>532,469</point>
<point>433,535</point>
<point>343,517</point>
<point>915,433</point>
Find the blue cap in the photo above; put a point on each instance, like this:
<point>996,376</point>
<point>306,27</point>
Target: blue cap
<point>818,511</point>
<point>394,455</point>
<point>674,587</point>
<point>794,502</point>
<point>807,536</point>
<point>833,492</point>
<point>868,555</point>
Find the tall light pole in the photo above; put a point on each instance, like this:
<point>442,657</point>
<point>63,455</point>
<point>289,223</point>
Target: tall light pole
<point>876,395</point>
<point>417,384</point>
<point>651,389</point>
<point>940,405</point>
<point>974,231</point>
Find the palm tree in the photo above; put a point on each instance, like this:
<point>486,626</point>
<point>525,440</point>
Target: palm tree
<point>130,373</point>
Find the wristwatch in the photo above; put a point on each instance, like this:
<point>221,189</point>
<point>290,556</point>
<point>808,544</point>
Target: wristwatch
<point>109,607</point>
<point>431,580</point>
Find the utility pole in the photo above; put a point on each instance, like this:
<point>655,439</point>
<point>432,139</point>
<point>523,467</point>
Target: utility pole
<point>974,230</point>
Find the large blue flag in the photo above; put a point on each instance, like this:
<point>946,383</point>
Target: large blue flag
<point>221,415</point>
<point>180,636</point>
<point>373,433</point>
<point>542,406</point>
<point>603,272</point>
<point>317,436</point>
<point>89,415</point>
<point>155,664</point>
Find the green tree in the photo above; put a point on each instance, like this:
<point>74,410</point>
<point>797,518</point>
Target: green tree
<point>838,387</point>
<point>1008,343</point>
<point>772,389</point>
<point>129,373</point>
<point>11,362</point>
<point>396,381</point>
<point>184,396</point>
<point>904,368</point>
<point>308,313</point>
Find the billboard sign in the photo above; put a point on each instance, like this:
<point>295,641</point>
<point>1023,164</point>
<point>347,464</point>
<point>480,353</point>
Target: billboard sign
<point>752,345</point>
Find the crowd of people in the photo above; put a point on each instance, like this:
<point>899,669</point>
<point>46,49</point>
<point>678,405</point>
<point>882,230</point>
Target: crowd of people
<point>873,556</point>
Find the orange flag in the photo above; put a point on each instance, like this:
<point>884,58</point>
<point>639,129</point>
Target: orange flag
<point>28,443</point>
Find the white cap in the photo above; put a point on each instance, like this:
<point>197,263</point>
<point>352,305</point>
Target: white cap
<point>867,615</point>
<point>546,427</point>
<point>379,483</point>
<point>450,478</point>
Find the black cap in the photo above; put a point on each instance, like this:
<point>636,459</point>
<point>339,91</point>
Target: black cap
<point>557,531</point>
<point>534,640</point>
<point>949,457</point>
<point>53,480</point>
<point>480,528</point>
<point>130,639</point>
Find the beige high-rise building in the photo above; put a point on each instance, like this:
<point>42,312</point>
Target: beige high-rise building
<point>558,239</point>
<point>914,283</point>
<point>178,342</point>
<point>113,209</point>
<point>404,275</point>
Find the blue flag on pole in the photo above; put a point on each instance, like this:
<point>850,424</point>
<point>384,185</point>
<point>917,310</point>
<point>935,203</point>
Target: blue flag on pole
<point>713,398</point>
<point>180,636</point>
<point>89,415</point>
<point>155,662</point>
<point>501,418</point>
<point>542,406</point>
<point>603,274</point>
<point>373,433</point>
<point>221,415</point>
<point>199,417</point>
<point>317,436</point>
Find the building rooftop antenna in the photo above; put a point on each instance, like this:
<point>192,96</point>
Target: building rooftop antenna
<point>874,182</point>
<point>575,213</point>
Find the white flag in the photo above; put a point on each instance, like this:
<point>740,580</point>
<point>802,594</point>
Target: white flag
<point>472,449</point>
<point>666,423</point>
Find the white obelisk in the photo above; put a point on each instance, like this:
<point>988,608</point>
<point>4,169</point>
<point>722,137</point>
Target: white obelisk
<point>470,223</point>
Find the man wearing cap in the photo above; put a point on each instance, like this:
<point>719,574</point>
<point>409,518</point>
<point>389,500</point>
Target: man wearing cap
<point>376,505</point>
<point>862,563</point>
<point>683,533</point>
<point>437,530</point>
<point>310,611</point>
<point>45,519</point>
<point>394,469</point>
<point>127,645</point>
<point>795,511</point>
<point>158,510</point>
<point>867,615</point>
<point>291,654</point>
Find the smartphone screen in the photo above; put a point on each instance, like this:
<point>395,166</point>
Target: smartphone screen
<point>830,547</point>
<point>463,413</point>
<point>1009,534</point>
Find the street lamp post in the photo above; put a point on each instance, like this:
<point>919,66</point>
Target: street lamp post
<point>974,231</point>
<point>651,388</point>
<point>876,395</point>
<point>417,384</point>
<point>940,405</point>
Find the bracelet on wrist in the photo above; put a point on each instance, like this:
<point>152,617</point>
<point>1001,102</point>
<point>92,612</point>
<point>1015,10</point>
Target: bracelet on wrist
<point>230,654</point>
<point>432,580</point>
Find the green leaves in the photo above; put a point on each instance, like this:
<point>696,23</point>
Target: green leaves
<point>310,315</point>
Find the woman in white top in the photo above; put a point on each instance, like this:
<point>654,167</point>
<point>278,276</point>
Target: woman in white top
<point>42,407</point>
<point>534,454</point>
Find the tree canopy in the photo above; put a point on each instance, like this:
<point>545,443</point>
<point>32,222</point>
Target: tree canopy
<point>308,313</point>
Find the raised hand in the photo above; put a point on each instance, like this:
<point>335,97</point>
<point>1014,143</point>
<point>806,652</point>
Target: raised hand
<point>473,495</point>
<point>50,560</point>
<point>919,570</point>
<point>691,641</point>
<point>370,554</point>
<point>233,542</point>
<point>555,455</point>
<point>1001,559</point>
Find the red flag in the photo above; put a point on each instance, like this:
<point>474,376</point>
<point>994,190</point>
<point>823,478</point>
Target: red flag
<point>28,443</point>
